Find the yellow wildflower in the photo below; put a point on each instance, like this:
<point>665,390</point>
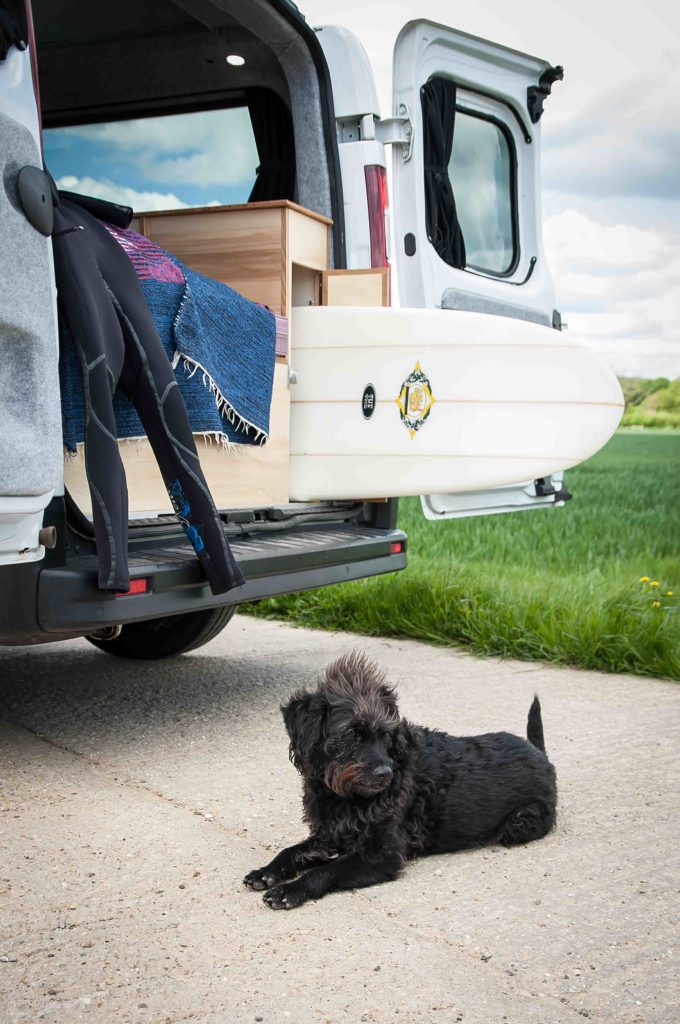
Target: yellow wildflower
<point>669,593</point>
<point>654,583</point>
<point>656,604</point>
<point>644,579</point>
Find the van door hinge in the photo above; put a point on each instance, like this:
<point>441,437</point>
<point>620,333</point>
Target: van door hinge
<point>547,486</point>
<point>397,131</point>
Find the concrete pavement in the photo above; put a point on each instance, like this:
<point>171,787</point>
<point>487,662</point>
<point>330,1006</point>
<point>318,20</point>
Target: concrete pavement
<point>135,796</point>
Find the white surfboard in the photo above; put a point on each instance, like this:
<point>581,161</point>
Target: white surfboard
<point>395,402</point>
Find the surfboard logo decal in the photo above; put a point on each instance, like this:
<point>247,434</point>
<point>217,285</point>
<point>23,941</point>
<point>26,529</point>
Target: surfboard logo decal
<point>415,400</point>
<point>368,401</point>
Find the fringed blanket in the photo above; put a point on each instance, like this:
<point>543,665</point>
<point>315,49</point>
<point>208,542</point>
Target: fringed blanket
<point>221,345</point>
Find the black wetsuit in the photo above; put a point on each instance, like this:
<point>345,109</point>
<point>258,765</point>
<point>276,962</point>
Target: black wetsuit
<point>118,346</point>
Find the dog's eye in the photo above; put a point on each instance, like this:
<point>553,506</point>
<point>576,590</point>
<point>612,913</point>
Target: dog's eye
<point>343,743</point>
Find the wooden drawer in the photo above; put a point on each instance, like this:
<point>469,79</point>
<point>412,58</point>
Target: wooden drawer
<point>248,477</point>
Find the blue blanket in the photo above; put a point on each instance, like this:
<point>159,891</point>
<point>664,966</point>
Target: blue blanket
<point>221,345</point>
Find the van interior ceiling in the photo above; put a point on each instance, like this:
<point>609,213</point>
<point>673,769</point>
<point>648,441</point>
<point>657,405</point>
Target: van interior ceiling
<point>135,58</point>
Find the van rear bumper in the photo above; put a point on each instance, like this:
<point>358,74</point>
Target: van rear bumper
<point>38,605</point>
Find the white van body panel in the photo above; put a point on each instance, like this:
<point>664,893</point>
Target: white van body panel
<point>354,91</point>
<point>21,520</point>
<point>356,109</point>
<point>354,157</point>
<point>493,81</point>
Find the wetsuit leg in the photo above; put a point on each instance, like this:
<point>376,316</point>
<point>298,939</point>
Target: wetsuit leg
<point>147,378</point>
<point>149,382</point>
<point>94,325</point>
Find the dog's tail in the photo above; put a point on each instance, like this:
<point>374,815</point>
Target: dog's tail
<point>535,725</point>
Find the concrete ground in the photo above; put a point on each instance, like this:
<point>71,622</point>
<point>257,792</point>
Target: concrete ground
<point>134,797</point>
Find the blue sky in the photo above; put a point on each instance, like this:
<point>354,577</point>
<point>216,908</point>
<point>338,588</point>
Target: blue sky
<point>158,162</point>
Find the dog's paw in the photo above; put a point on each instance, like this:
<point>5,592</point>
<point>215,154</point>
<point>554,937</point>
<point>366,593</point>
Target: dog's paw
<point>285,897</point>
<point>259,879</point>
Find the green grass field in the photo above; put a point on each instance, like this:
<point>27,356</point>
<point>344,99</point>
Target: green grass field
<point>561,585</point>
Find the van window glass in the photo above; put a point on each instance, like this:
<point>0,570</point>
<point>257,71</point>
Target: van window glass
<point>203,158</point>
<point>481,173</point>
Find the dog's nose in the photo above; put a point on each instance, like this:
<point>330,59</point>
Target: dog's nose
<point>383,771</point>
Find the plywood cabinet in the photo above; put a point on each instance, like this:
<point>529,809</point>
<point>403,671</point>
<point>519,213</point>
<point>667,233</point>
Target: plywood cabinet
<point>260,250</point>
<point>274,253</point>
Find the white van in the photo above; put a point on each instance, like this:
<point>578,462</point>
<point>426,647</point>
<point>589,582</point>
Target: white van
<point>466,393</point>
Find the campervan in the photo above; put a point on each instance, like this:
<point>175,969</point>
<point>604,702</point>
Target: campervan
<point>423,353</point>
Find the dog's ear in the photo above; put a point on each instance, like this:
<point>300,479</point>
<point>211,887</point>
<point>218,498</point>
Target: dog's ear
<point>303,716</point>
<point>389,700</point>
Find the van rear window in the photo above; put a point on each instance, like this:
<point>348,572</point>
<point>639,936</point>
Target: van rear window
<point>203,158</point>
<point>469,165</point>
<point>480,170</point>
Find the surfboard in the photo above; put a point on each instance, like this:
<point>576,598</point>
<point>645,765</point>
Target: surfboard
<point>392,402</point>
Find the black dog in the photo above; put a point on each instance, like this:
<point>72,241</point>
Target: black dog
<point>379,790</point>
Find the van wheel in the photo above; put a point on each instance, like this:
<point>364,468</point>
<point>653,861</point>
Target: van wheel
<point>163,638</point>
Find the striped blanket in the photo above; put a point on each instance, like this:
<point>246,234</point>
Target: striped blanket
<point>221,345</point>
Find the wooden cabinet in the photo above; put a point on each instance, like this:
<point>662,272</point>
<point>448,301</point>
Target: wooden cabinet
<point>274,253</point>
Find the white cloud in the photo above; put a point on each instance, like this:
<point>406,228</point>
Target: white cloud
<point>113,193</point>
<point>617,286</point>
<point>224,161</point>
<point>623,142</point>
<point>207,148</point>
<point>630,355</point>
<point>576,240</point>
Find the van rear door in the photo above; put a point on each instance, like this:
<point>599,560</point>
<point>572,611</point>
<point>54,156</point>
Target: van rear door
<point>467,189</point>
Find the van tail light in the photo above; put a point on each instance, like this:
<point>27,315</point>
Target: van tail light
<point>138,586</point>
<point>378,210</point>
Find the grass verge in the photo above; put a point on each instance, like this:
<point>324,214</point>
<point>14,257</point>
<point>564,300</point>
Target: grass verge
<point>561,585</point>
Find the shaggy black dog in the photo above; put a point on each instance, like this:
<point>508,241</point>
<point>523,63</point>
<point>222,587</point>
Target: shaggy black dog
<point>379,790</point>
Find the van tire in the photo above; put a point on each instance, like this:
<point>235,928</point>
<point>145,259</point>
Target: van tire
<point>168,636</point>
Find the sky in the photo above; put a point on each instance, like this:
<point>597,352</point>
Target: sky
<point>611,154</point>
<point>158,163</point>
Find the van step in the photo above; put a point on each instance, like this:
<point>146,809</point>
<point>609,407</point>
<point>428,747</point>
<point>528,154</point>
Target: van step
<point>253,553</point>
<point>273,563</point>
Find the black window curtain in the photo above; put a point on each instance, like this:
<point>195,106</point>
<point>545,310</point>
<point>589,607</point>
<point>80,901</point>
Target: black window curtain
<point>438,99</point>
<point>273,130</point>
